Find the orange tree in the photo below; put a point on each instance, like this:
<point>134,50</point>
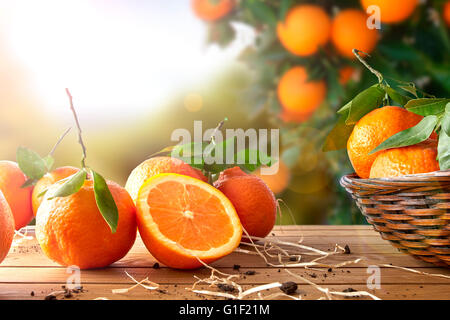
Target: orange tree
<point>304,70</point>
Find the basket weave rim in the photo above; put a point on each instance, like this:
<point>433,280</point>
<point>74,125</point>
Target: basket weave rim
<point>437,180</point>
<point>406,178</point>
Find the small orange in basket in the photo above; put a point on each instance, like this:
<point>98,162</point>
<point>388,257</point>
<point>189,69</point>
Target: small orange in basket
<point>305,29</point>
<point>18,198</point>
<point>157,165</point>
<point>298,96</point>
<point>46,181</point>
<point>392,11</point>
<point>6,227</point>
<point>419,158</point>
<point>255,203</point>
<point>182,220</point>
<point>72,231</point>
<point>212,10</point>
<point>371,130</point>
<point>349,30</point>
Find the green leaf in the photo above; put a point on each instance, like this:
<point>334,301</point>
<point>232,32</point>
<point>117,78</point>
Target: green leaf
<point>427,106</point>
<point>49,162</point>
<point>262,12</point>
<point>409,87</point>
<point>444,141</point>
<point>188,150</point>
<point>411,136</point>
<point>105,201</point>
<point>250,159</point>
<point>396,96</point>
<point>71,185</point>
<point>445,124</point>
<point>365,102</point>
<point>285,5</point>
<point>345,109</point>
<point>31,164</point>
<point>338,136</point>
<point>29,183</point>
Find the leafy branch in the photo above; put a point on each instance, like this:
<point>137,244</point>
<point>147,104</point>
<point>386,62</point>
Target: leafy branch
<point>202,155</point>
<point>71,185</point>
<point>33,165</point>
<point>436,112</point>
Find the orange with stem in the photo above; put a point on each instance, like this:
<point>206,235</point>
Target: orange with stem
<point>89,223</point>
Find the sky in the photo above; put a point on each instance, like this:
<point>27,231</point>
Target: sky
<point>114,55</point>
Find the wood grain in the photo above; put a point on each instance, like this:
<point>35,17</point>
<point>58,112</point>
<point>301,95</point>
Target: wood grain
<point>26,269</point>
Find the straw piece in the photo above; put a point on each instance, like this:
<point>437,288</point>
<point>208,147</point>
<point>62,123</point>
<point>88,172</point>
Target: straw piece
<point>329,293</point>
<point>153,286</point>
<point>416,271</point>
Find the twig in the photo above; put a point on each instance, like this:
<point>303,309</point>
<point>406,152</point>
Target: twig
<point>219,127</point>
<point>59,141</point>
<point>80,138</point>
<point>356,52</point>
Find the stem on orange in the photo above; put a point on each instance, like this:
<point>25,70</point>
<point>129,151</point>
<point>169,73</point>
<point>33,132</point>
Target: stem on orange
<point>356,52</point>
<point>80,138</point>
<point>59,141</point>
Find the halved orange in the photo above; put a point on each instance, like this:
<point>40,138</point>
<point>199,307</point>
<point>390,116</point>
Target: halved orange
<point>182,219</point>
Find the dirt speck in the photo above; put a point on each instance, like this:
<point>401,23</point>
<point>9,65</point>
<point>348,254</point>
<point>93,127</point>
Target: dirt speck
<point>289,287</point>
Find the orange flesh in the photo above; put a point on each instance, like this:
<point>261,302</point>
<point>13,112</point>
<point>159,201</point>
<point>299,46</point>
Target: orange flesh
<point>190,216</point>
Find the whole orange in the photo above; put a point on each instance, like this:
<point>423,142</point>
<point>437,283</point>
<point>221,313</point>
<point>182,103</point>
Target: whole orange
<point>392,11</point>
<point>371,130</point>
<point>349,31</point>
<point>278,181</point>
<point>446,13</point>
<point>157,165</point>
<point>19,199</point>
<point>298,96</point>
<point>305,29</point>
<point>254,202</point>
<point>212,10</point>
<point>46,181</point>
<point>6,227</point>
<point>419,158</point>
<point>72,231</point>
<point>345,74</point>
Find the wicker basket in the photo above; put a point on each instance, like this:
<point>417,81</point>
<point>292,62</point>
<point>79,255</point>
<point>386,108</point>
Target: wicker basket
<point>412,212</point>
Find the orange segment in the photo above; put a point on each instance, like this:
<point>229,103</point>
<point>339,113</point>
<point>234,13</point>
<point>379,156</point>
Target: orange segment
<point>181,219</point>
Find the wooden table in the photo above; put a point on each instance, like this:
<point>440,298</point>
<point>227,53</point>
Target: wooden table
<point>27,274</point>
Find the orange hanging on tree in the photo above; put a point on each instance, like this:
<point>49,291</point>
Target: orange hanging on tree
<point>305,29</point>
<point>392,11</point>
<point>298,96</point>
<point>212,10</point>
<point>446,13</point>
<point>349,30</point>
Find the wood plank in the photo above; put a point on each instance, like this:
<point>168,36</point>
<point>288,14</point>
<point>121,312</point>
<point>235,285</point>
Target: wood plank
<point>26,269</point>
<point>144,259</point>
<point>28,253</point>
<point>179,292</point>
<point>263,275</point>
